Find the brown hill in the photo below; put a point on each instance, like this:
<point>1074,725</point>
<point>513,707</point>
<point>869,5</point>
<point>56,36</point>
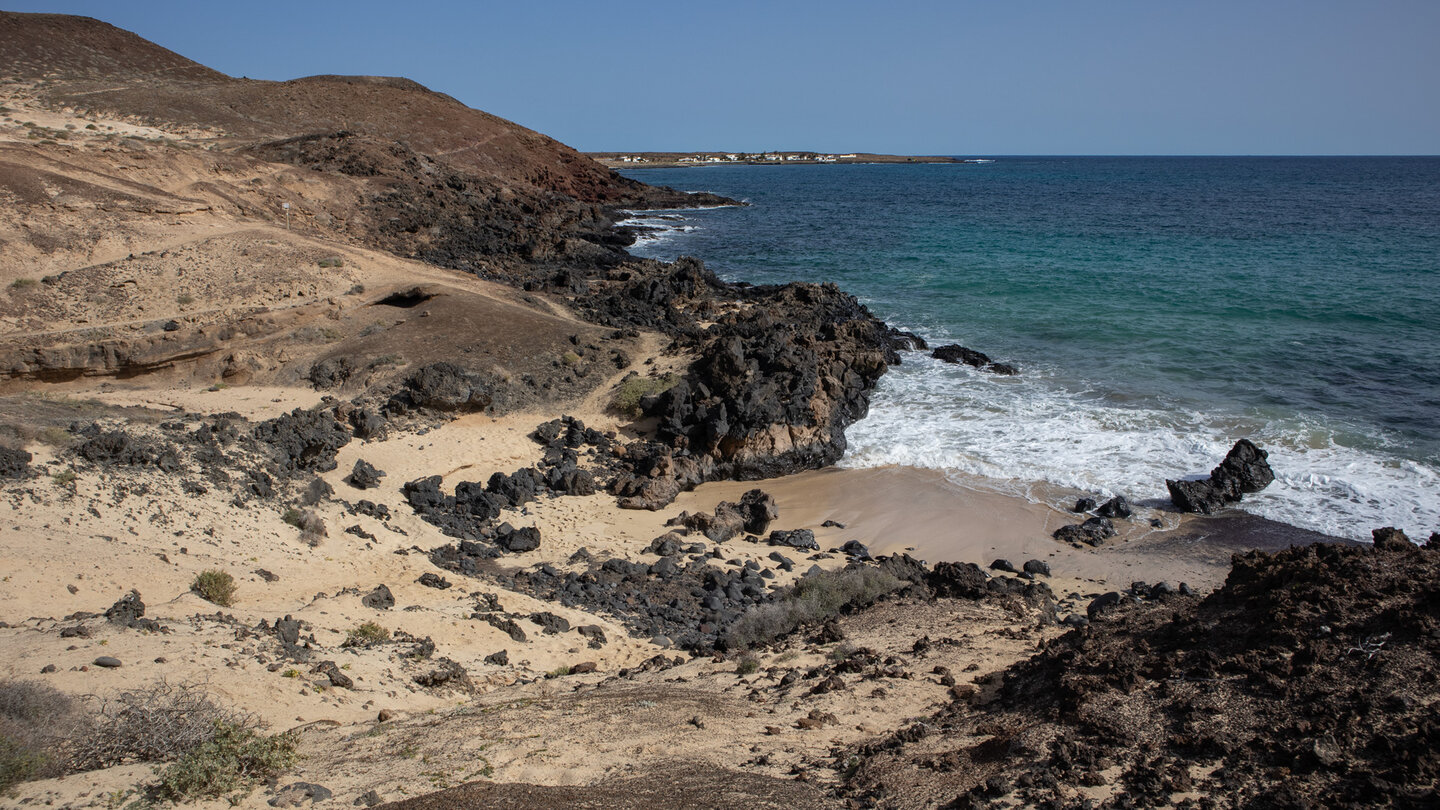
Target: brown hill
<point>85,63</point>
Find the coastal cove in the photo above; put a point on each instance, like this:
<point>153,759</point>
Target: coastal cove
<point>359,448</point>
<point>1159,308</point>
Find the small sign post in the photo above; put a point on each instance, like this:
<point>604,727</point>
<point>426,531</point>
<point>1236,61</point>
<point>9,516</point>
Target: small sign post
<point>286,206</point>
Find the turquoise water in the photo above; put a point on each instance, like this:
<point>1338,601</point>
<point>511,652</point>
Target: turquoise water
<point>1160,308</point>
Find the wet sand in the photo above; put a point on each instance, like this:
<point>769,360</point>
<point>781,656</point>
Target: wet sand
<point>932,517</point>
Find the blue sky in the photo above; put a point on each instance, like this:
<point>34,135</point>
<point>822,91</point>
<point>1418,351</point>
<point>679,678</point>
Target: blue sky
<point>957,77</point>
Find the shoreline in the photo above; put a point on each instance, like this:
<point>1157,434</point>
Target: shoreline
<point>695,160</point>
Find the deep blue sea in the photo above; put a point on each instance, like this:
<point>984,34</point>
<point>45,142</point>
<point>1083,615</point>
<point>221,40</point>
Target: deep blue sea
<point>1159,309</point>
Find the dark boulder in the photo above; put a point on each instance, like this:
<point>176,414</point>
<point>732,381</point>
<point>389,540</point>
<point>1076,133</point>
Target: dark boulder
<point>518,488</point>
<point>958,580</point>
<point>364,475</point>
<point>955,353</point>
<point>1116,507</point>
<point>1197,495</point>
<point>516,541</point>
<point>446,673</point>
<point>855,550</point>
<point>1037,567</point>
<point>759,509</point>
<point>379,599</point>
<point>367,424</point>
<point>803,539</point>
<point>446,387</point>
<point>726,522</point>
<point>1245,470</point>
<point>1102,603</point>
<point>1003,565</point>
<point>550,624</point>
<point>1092,532</point>
<point>332,672</point>
<point>570,480</point>
<point>1083,505</point>
<point>905,341</point>
<point>666,545</point>
<point>288,631</point>
<point>1390,539</point>
<point>474,500</point>
<point>127,609</point>
<point>424,493</point>
<point>432,580</point>
<point>331,373</point>
<point>304,440</point>
<point>14,463</point>
<point>904,567</point>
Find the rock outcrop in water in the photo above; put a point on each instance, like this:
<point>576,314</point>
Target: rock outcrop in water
<point>1244,471</point>
<point>957,354</point>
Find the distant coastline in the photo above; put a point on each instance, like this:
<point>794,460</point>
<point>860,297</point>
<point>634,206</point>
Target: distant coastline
<point>672,160</point>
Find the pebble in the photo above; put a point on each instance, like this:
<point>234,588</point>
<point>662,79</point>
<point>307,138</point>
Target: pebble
<point>107,661</point>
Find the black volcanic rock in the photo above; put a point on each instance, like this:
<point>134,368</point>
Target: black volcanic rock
<point>955,353</point>
<point>444,387</point>
<point>14,463</point>
<point>1092,532</point>
<point>1245,470</point>
<point>364,475</point>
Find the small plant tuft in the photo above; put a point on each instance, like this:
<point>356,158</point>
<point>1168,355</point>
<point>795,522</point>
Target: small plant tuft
<point>64,478</point>
<point>811,599</point>
<point>635,388</point>
<point>23,283</point>
<point>185,299</point>
<point>747,665</point>
<point>366,635</point>
<point>215,586</point>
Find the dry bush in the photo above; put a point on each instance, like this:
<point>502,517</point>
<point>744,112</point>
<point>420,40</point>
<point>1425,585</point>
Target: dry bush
<point>811,599</point>
<point>36,721</point>
<point>312,527</point>
<point>152,724</point>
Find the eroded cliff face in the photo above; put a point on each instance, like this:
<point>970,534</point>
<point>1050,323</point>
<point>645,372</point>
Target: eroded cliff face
<point>766,379</point>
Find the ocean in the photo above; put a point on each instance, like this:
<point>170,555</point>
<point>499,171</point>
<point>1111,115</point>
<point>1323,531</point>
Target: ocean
<point>1158,308</point>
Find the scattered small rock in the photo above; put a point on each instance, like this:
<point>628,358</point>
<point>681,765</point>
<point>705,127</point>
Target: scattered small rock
<point>297,793</point>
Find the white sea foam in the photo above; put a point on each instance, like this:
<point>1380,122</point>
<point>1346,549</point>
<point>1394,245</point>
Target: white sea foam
<point>1030,428</point>
<point>656,226</point>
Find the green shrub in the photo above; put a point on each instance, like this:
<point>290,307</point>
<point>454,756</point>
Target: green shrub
<point>635,388</point>
<point>748,665</point>
<point>18,763</point>
<point>185,299</point>
<point>292,516</point>
<point>811,599</point>
<point>235,758</point>
<point>570,359</point>
<point>23,283</point>
<point>367,634</point>
<point>64,478</point>
<point>215,586</point>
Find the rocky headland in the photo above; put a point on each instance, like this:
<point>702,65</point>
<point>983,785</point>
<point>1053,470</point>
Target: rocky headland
<point>338,427</point>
